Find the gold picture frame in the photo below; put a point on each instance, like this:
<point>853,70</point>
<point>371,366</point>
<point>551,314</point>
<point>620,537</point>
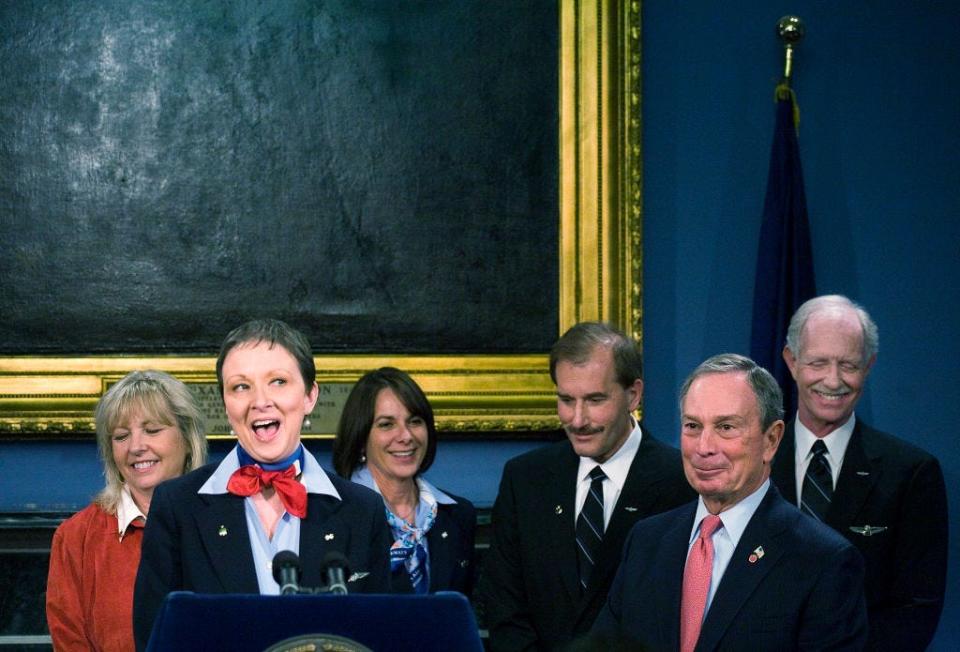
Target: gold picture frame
<point>599,262</point>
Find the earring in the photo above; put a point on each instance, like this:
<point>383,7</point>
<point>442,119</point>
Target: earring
<point>363,458</point>
<point>233,433</point>
<point>307,423</point>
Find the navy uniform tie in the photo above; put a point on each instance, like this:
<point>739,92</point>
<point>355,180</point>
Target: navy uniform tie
<point>817,484</point>
<point>590,526</point>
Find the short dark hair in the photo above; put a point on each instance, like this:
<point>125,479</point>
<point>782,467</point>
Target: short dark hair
<point>356,420</point>
<point>765,387</point>
<point>581,340</point>
<point>275,332</point>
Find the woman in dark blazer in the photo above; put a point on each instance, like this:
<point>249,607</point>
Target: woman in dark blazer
<point>386,440</point>
<point>217,529</point>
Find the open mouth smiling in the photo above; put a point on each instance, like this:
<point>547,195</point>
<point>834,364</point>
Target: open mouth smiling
<point>265,428</point>
<point>144,465</point>
<point>830,396</point>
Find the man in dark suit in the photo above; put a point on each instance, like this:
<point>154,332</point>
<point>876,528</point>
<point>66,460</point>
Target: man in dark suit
<point>884,495</point>
<point>557,530</point>
<point>739,568</point>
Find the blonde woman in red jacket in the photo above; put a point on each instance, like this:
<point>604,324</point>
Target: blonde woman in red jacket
<point>148,430</point>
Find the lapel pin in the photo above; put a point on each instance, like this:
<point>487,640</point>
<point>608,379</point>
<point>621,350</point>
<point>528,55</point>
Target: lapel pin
<point>222,531</point>
<point>756,555</point>
<point>867,530</point>
<point>444,534</point>
<point>630,509</point>
<point>328,536</point>
<point>463,563</point>
<point>558,510</point>
<point>357,576</point>
<point>863,473</point>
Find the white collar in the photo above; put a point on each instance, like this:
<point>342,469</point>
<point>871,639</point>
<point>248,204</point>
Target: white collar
<point>363,476</point>
<point>617,467</point>
<point>836,441</point>
<point>127,511</point>
<point>313,477</point>
<point>736,518</point>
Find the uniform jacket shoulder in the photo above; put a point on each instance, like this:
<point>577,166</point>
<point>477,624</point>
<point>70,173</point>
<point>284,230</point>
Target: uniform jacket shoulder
<point>900,451</point>
<point>547,456</point>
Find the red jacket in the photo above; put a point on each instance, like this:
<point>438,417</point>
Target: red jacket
<point>90,584</point>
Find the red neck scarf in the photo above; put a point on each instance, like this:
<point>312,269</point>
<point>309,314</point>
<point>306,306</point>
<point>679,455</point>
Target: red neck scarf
<point>251,479</point>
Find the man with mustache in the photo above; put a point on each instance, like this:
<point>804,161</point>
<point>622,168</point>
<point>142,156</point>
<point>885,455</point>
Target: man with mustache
<point>883,494</point>
<point>739,568</point>
<point>563,510</point>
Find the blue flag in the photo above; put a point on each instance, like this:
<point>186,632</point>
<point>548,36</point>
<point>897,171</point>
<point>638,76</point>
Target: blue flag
<point>784,277</point>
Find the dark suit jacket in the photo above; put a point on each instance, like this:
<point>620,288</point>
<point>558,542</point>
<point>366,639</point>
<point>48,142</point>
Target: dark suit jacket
<point>804,593</point>
<point>529,583</point>
<point>451,543</point>
<point>886,482</point>
<point>199,542</point>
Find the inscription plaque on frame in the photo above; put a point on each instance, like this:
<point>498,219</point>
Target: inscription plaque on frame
<point>323,419</point>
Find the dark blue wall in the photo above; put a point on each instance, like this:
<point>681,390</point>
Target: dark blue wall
<point>64,476</point>
<point>879,90</point>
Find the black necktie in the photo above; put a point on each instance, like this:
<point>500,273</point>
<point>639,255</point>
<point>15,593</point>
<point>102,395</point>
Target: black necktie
<point>817,484</point>
<point>590,526</point>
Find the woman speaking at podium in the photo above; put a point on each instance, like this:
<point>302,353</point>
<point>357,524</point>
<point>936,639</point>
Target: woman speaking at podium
<point>217,530</point>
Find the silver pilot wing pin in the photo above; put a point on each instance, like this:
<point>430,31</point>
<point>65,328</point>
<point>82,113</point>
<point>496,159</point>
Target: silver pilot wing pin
<point>867,530</point>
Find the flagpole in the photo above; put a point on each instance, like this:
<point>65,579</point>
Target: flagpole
<point>784,276</point>
<point>790,29</point>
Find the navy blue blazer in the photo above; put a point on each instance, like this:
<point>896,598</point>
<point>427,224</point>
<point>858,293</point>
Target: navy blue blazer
<point>199,542</point>
<point>451,544</point>
<point>804,593</point>
<point>891,503</point>
<point>529,581</point>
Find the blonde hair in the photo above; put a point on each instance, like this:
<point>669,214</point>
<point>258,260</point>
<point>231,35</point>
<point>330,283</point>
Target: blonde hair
<point>160,397</point>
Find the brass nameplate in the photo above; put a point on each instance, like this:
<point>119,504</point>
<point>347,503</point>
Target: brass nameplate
<point>323,419</point>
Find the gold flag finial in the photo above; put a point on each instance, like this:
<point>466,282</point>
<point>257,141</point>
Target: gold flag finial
<point>790,29</point>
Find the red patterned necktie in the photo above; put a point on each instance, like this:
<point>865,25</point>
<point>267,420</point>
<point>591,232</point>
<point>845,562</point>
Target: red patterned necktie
<point>251,479</point>
<point>696,583</point>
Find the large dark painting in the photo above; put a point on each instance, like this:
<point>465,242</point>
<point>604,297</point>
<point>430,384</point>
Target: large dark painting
<point>381,174</point>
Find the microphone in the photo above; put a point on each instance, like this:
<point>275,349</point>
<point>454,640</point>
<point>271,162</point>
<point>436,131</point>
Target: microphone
<point>286,572</point>
<point>335,568</point>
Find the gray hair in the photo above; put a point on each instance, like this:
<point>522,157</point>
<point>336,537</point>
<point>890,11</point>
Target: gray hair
<point>580,341</point>
<point>764,385</point>
<point>162,398</point>
<point>836,304</point>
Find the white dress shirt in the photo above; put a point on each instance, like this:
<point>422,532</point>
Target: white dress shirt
<point>836,443</point>
<point>726,538</point>
<point>127,511</point>
<point>617,468</point>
